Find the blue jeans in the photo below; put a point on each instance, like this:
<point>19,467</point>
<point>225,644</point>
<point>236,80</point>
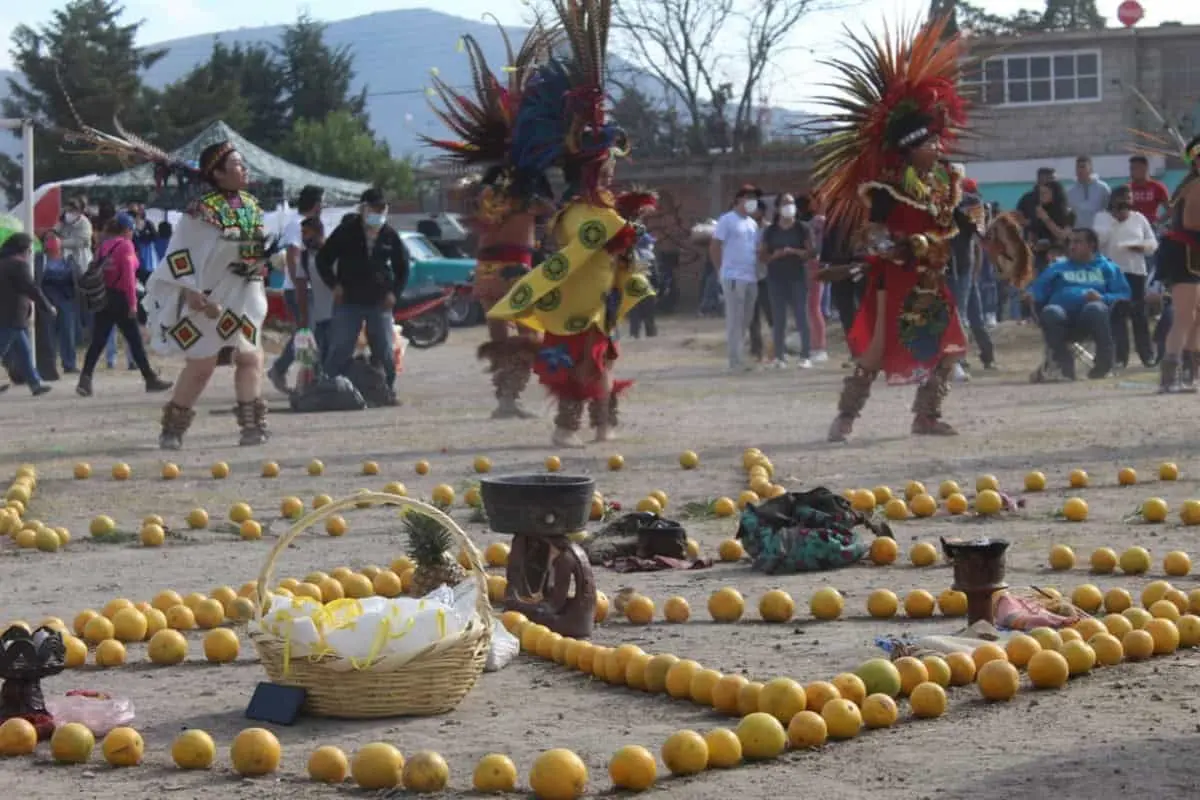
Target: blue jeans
<point>344,327</point>
<point>784,291</point>
<point>18,339</point>
<point>321,334</point>
<point>65,327</point>
<point>988,289</point>
<point>1092,321</point>
<point>284,362</point>
<point>970,313</point>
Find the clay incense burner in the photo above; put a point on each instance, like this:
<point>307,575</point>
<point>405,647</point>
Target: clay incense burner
<point>978,573</point>
<point>26,658</point>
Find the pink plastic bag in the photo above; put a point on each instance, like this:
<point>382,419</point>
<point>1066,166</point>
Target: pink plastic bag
<point>97,711</point>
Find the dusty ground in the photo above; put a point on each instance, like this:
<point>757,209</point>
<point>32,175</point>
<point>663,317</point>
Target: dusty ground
<point>1132,730</point>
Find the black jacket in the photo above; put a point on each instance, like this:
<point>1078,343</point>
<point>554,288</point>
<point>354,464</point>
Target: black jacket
<point>18,293</point>
<point>364,277</point>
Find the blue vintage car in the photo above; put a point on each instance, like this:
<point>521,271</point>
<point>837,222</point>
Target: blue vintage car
<point>428,267</point>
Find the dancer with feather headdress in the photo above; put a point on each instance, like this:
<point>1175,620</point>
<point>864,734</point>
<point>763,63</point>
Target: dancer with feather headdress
<point>208,295</point>
<point>882,167</point>
<point>577,296</point>
<point>508,200</point>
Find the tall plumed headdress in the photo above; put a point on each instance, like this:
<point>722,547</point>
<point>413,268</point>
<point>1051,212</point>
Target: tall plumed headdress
<point>483,120</point>
<point>132,150</point>
<point>563,120</point>
<point>895,93</point>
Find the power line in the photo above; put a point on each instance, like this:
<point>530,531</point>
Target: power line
<point>398,92</point>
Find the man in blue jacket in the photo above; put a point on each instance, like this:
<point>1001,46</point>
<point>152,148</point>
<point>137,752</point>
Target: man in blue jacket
<point>1075,297</point>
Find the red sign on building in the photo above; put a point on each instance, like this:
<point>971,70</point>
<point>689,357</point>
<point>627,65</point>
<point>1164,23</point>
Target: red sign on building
<point>1130,13</point>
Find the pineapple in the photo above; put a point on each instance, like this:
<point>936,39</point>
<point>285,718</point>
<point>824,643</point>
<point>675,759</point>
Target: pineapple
<point>429,544</point>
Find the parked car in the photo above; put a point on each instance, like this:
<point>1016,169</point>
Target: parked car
<point>428,269</point>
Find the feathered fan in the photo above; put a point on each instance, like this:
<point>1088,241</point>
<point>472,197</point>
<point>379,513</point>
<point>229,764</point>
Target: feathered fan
<point>128,148</point>
<point>892,86</point>
<point>484,122</point>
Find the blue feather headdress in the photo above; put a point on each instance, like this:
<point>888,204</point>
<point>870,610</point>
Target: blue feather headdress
<point>563,120</point>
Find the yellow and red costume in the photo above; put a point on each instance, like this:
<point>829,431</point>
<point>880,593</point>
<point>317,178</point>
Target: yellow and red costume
<point>509,199</point>
<point>576,297</point>
<point>879,170</point>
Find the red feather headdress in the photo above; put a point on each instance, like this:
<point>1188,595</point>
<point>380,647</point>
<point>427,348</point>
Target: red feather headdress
<point>483,121</point>
<point>896,92</point>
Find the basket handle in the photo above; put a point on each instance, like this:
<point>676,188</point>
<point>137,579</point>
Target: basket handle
<point>483,605</point>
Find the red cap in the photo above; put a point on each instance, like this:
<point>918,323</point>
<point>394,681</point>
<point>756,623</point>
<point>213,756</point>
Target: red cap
<point>970,185</point>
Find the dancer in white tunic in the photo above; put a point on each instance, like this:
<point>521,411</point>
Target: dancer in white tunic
<point>207,297</point>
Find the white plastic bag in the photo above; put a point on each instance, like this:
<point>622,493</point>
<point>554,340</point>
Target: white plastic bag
<point>98,712</point>
<point>503,650</point>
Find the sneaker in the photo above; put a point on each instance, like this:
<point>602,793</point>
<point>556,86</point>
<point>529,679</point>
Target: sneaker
<point>779,363</point>
<point>157,384</point>
<point>40,390</point>
<point>989,321</point>
<point>803,363</point>
<point>819,357</point>
<point>960,374</point>
<point>278,380</point>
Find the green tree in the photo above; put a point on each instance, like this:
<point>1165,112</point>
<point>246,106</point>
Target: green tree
<point>85,53</point>
<point>1058,15</point>
<point>242,85</point>
<point>317,77</point>
<point>342,146</point>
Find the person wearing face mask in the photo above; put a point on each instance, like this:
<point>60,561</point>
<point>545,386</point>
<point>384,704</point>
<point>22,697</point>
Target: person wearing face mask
<point>1126,239</point>
<point>734,250</point>
<point>366,266</point>
<point>75,232</point>
<point>786,248</point>
<point>881,165</point>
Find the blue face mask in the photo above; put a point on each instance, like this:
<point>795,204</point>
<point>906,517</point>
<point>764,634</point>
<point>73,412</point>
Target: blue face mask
<point>374,220</point>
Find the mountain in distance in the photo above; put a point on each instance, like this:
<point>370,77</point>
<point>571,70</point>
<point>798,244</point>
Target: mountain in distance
<point>394,52</point>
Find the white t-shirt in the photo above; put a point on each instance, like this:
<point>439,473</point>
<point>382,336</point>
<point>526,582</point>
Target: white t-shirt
<point>1116,237</point>
<point>738,236</point>
<point>292,237</point>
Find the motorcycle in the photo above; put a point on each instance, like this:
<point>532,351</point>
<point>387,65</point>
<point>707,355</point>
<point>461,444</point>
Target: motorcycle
<point>423,316</point>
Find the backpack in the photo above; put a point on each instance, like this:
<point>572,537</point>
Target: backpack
<point>92,286</point>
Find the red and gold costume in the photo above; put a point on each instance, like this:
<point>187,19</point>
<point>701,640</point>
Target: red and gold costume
<point>508,201</point>
<point>880,169</point>
<point>577,296</point>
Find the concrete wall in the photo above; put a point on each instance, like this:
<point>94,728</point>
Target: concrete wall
<point>1149,59</point>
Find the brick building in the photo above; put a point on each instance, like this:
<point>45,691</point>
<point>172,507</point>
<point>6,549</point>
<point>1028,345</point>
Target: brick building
<point>1048,98</point>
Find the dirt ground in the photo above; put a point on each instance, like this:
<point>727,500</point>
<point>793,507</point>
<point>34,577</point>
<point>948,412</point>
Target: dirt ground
<point>1131,730</point>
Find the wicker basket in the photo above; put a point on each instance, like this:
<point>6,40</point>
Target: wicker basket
<point>433,682</point>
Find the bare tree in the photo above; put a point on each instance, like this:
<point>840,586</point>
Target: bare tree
<point>705,59</point>
<point>689,47</point>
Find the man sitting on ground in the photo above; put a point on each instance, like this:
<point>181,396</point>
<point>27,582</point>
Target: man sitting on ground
<point>1074,298</point>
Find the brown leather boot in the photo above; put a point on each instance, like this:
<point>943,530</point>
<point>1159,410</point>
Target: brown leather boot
<point>567,423</point>
<point>603,416</point>
<point>252,419</point>
<point>927,405</point>
<point>1168,375</point>
<point>856,390</point>
<point>175,423</point>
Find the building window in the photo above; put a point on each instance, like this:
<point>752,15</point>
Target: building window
<point>1037,79</point>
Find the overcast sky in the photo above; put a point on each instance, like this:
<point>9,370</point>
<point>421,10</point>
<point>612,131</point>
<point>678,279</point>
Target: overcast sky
<point>792,80</point>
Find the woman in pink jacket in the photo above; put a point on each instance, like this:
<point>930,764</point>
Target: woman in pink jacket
<point>119,264</point>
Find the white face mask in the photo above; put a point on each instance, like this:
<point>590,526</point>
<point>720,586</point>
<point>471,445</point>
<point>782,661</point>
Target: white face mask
<point>788,211</point>
<point>750,206</point>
